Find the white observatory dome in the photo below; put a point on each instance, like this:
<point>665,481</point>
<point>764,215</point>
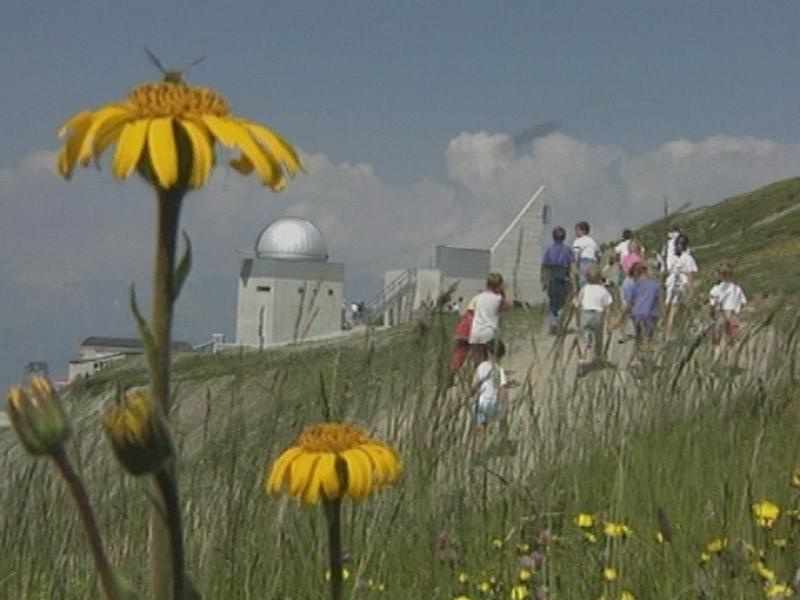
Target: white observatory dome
<point>292,238</point>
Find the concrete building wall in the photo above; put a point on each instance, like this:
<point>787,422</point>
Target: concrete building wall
<point>283,301</point>
<point>467,266</point>
<point>517,254</point>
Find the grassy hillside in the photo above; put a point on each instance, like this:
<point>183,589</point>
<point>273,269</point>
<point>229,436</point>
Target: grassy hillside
<point>758,230</point>
<point>678,454</point>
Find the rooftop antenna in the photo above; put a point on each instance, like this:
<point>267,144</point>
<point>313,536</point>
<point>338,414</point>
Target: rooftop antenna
<point>172,75</point>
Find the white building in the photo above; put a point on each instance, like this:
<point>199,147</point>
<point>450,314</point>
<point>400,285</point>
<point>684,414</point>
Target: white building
<point>96,353</point>
<point>516,255</point>
<point>288,291</point>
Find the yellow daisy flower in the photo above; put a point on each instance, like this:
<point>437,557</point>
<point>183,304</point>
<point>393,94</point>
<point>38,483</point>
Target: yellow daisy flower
<point>779,590</point>
<point>616,530</point>
<point>610,574</point>
<point>166,130</point>
<point>765,513</point>
<point>761,569</point>
<point>520,592</point>
<point>626,595</point>
<point>718,545</point>
<point>525,575</point>
<point>138,434</point>
<point>331,461</point>
<point>585,520</point>
<point>37,416</point>
<point>497,543</point>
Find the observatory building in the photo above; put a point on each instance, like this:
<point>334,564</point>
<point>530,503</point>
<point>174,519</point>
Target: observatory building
<point>288,291</point>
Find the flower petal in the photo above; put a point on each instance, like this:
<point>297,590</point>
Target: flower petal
<point>359,476</point>
<point>102,119</point>
<point>276,144</point>
<point>202,152</point>
<point>231,133</point>
<point>280,469</point>
<point>129,147</point>
<point>329,477</point>
<point>163,151</point>
<point>311,492</point>
<point>77,127</point>
<point>300,472</point>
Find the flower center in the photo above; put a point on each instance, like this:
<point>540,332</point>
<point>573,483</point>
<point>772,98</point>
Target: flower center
<point>166,99</point>
<point>332,437</point>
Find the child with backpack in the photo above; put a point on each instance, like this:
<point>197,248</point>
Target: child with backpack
<point>489,384</point>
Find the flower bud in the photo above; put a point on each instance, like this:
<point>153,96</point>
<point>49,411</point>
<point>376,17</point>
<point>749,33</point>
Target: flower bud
<point>138,433</point>
<point>38,417</point>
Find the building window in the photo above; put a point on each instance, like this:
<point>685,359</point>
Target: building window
<point>264,288</point>
<point>330,292</point>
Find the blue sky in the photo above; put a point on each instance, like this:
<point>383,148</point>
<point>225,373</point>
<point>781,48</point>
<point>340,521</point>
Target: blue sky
<point>402,110</point>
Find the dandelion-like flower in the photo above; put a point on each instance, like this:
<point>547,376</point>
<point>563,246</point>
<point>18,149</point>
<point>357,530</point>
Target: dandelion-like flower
<point>616,530</point>
<point>585,520</point>
<point>610,574</point>
<point>763,571</point>
<point>520,592</point>
<point>167,131</point>
<point>38,418</point>
<point>716,546</point>
<point>779,590</point>
<point>765,513</point>
<point>331,461</point>
<point>138,434</point>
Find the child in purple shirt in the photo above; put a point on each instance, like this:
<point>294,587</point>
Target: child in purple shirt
<point>556,266</point>
<point>643,302</point>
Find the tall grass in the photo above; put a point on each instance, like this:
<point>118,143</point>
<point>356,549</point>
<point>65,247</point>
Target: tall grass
<point>693,441</point>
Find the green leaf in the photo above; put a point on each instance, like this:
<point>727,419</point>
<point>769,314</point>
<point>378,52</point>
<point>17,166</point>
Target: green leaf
<point>144,331</point>
<point>182,271</point>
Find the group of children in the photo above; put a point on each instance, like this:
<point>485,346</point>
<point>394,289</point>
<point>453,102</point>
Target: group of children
<point>643,300</point>
<point>575,272</point>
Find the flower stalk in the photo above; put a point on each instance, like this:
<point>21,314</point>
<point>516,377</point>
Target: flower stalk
<point>333,516</point>
<point>78,493</point>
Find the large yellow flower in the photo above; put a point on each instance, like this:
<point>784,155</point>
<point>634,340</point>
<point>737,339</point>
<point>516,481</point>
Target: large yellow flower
<point>331,461</point>
<point>765,513</point>
<point>167,131</point>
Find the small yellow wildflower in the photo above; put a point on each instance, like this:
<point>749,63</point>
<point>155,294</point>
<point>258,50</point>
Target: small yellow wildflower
<point>345,574</point>
<point>497,543</point>
<point>718,545</point>
<point>463,577</point>
<point>462,597</point>
<point>585,520</point>
<point>796,477</point>
<point>590,537</point>
<point>780,543</point>
<point>766,513</point>
<point>610,574</point>
<point>525,575</point>
<point>484,587</point>
<point>704,557</point>
<point>38,417</point>
<point>761,569</point>
<point>616,530</point>
<point>520,592</point>
<point>523,548</point>
<point>659,537</point>
<point>626,595</point>
<point>779,590</point>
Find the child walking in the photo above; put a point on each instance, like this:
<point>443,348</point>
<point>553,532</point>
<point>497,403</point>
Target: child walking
<point>726,300</point>
<point>486,322</point>
<point>489,384</point>
<point>556,266</point>
<point>680,268</point>
<point>592,301</point>
<point>642,300</point>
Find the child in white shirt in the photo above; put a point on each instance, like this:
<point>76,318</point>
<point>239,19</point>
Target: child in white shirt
<point>489,384</point>
<point>680,268</point>
<point>585,250</point>
<point>726,300</point>
<point>592,301</point>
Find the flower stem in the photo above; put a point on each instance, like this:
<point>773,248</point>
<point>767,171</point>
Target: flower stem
<point>333,514</point>
<point>169,207</point>
<point>78,492</point>
<point>169,494</point>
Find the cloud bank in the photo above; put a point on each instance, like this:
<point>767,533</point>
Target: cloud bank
<point>70,250</point>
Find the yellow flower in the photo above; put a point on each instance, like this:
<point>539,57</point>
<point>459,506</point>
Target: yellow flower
<point>331,461</point>
<point>497,543</point>
<point>484,587</point>
<point>585,520</point>
<point>766,513</point>
<point>345,574</point>
<point>463,577</point>
<point>523,548</point>
<point>167,131</point>
<point>779,590</point>
<point>590,537</point>
<point>626,595</point>
<point>780,543</point>
<point>377,586</point>
<point>37,416</point>
<point>718,545</point>
<point>138,434</point>
<point>704,557</point>
<point>616,530</point>
<point>525,575</point>
<point>659,537</point>
<point>462,597</point>
<point>520,592</point>
<point>761,569</point>
<point>610,574</point>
